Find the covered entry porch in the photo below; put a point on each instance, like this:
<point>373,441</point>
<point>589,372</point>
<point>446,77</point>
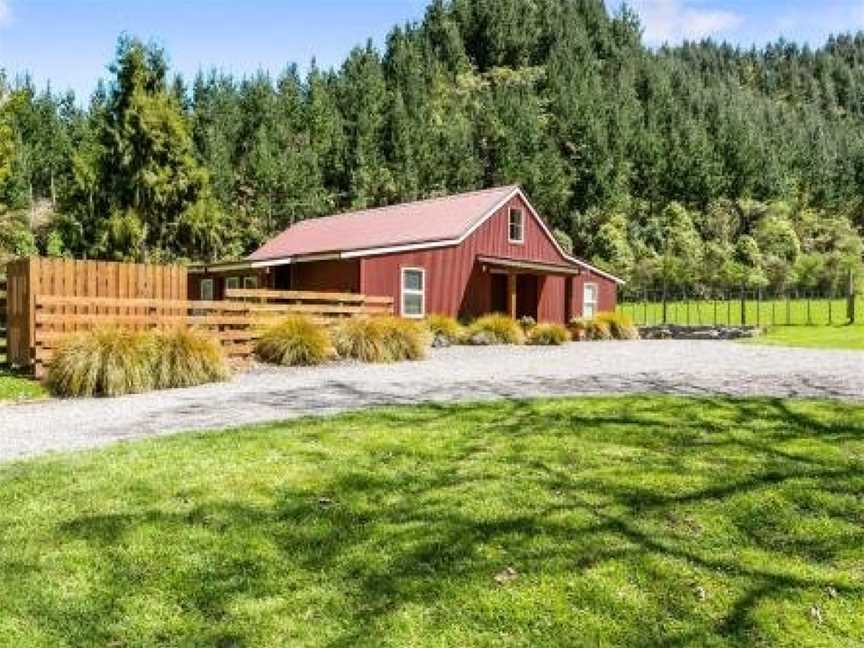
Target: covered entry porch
<point>542,291</point>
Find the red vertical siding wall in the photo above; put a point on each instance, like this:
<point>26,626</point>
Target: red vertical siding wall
<point>607,298</point>
<point>455,282</point>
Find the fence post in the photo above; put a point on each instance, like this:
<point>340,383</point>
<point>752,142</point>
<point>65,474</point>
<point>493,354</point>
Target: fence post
<point>645,307</point>
<point>687,305</point>
<point>664,301</point>
<point>743,306</point>
<point>850,298</point>
<point>759,307</point>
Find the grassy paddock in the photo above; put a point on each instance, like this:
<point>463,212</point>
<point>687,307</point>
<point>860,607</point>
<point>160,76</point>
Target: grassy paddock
<point>765,313</point>
<point>609,521</point>
<point>817,337</point>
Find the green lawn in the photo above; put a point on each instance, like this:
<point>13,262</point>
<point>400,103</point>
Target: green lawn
<point>820,337</point>
<point>15,387</point>
<point>630,521</point>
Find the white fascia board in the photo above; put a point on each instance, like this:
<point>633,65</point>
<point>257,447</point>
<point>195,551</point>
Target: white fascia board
<point>203,268</point>
<point>270,263</point>
<point>407,247</point>
<point>308,258</point>
<point>596,270</point>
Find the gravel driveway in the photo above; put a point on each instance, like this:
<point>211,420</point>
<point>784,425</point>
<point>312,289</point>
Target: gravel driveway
<point>458,373</point>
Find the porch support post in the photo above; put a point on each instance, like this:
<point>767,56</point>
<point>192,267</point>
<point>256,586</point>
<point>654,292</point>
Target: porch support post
<point>511,293</point>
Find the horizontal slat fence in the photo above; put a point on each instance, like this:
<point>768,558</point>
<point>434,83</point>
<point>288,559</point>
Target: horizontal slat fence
<point>236,323</point>
<point>57,317</point>
<point>323,307</point>
<point>3,322</point>
<point>31,277</point>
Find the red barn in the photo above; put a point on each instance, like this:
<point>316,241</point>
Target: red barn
<point>463,255</point>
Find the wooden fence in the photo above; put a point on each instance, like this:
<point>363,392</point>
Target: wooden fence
<point>29,278</point>
<point>323,307</point>
<point>236,323</point>
<point>3,350</point>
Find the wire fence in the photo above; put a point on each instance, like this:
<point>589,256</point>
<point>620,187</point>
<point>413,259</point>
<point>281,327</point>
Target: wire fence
<point>742,308</point>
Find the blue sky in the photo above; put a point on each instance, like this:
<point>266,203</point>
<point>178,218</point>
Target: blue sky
<point>70,42</point>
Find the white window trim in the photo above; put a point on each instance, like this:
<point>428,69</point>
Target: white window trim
<point>595,302</point>
<point>207,282</point>
<point>405,291</point>
<point>521,212</point>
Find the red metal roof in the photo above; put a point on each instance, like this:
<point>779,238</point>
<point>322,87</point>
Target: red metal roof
<point>436,219</point>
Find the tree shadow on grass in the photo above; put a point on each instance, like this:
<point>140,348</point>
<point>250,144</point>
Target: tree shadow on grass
<point>552,485</point>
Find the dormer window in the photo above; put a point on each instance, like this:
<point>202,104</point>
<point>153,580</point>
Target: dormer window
<point>517,226</point>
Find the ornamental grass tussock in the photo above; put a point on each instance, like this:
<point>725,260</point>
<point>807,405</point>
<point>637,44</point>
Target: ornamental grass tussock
<point>113,362</point>
<point>495,329</point>
<point>103,362</point>
<point>404,339</point>
<point>548,334</point>
<point>188,357</point>
<point>295,341</point>
<point>621,326</point>
<point>360,339</point>
<point>445,326</point>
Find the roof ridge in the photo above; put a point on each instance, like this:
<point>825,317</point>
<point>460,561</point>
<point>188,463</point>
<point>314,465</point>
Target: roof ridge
<point>371,210</point>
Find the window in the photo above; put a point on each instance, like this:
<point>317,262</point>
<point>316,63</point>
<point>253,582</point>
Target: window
<point>413,292</point>
<point>206,290</point>
<point>589,300</point>
<point>517,222</point>
<point>250,283</point>
<point>232,283</point>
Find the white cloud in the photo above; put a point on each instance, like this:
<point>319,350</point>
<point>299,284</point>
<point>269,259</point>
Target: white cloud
<point>676,20</point>
<point>4,12</point>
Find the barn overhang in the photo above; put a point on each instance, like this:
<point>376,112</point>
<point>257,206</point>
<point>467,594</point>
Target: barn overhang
<point>516,266</point>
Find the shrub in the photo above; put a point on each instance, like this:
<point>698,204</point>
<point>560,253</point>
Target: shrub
<point>296,341</point>
<point>361,339</point>
<point>445,326</point>
<point>578,328</point>
<point>598,330</point>
<point>548,334</point>
<point>404,339</point>
<point>527,323</point>
<point>621,326</point>
<point>104,362</point>
<point>186,357</point>
<point>500,328</point>
<point>114,361</point>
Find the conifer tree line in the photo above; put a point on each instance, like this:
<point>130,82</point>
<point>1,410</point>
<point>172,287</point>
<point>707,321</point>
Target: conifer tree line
<point>700,166</point>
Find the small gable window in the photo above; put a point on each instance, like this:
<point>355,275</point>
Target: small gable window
<point>517,226</point>
<point>413,292</point>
